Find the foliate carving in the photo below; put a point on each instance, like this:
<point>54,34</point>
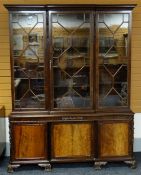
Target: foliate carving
<point>131,135</point>
<point>10,137</point>
<point>132,163</point>
<point>46,166</point>
<point>97,165</point>
<point>10,168</point>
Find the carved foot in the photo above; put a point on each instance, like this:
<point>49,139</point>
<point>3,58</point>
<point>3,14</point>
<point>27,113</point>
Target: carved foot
<point>98,165</point>
<point>46,166</point>
<point>10,168</point>
<point>132,163</point>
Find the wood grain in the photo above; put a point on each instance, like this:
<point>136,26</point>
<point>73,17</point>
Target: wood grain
<point>71,140</point>
<point>29,141</point>
<point>113,139</point>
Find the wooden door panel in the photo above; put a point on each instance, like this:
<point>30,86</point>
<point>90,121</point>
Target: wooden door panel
<point>29,141</point>
<point>113,139</point>
<point>71,140</point>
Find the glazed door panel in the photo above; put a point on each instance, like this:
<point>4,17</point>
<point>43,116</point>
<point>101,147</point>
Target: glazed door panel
<point>71,60</point>
<point>72,140</point>
<point>113,59</point>
<point>28,65</point>
<point>113,139</point>
<point>29,141</point>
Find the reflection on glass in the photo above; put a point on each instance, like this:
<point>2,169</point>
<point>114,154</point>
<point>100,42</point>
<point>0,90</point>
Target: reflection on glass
<point>113,62</point>
<point>113,32</point>
<point>71,60</point>
<point>28,55</point>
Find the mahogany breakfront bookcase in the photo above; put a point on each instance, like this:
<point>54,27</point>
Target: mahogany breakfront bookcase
<point>70,68</point>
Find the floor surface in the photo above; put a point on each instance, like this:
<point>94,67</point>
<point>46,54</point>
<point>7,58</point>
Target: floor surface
<point>75,169</point>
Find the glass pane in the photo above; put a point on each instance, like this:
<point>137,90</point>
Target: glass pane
<point>113,60</point>
<point>28,56</point>
<point>113,35</point>
<point>71,60</point>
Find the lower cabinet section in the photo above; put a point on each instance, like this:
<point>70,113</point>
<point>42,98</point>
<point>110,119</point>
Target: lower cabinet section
<point>43,141</point>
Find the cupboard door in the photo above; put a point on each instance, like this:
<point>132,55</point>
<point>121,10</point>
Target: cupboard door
<point>27,53</point>
<point>114,139</point>
<point>71,140</point>
<point>71,63</point>
<point>29,141</point>
<point>113,59</point>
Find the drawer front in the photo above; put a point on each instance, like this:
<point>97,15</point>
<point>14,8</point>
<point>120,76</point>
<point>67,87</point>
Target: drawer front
<point>71,140</point>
